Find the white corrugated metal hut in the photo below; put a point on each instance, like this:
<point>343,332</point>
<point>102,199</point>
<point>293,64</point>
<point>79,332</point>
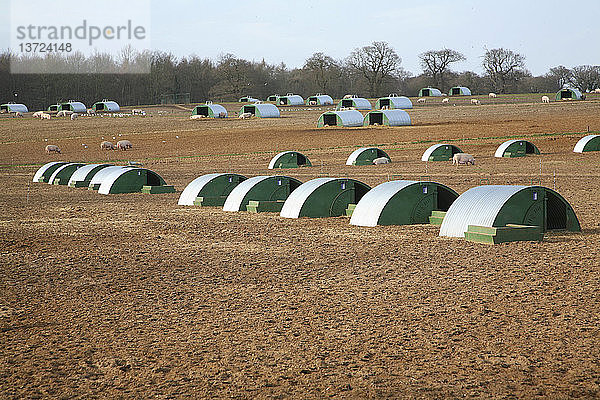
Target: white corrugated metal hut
<point>319,100</point>
<point>347,118</point>
<point>106,106</point>
<point>387,117</point>
<point>13,108</point>
<point>429,92</point>
<point>393,102</point>
<point>290,99</point>
<point>568,94</point>
<point>459,91</point>
<point>71,105</point>
<point>358,103</point>
<point>402,203</point>
<point>261,110</point>
<point>588,143</point>
<point>210,110</point>
<point>499,205</point>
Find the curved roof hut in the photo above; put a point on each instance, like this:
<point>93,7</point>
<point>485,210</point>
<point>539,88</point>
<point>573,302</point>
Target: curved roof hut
<point>290,99</point>
<point>102,174</point>
<point>365,156</point>
<point>210,110</point>
<point>261,110</point>
<point>82,176</point>
<point>63,173</point>
<point>568,94</point>
<point>132,180</point>
<point>503,205</point>
<point>358,103</point>
<point>210,189</point>
<point>588,143</point>
<point>319,100</point>
<point>71,105</point>
<point>345,118</point>
<point>273,97</point>
<point>393,101</point>
<point>459,91</point>
<point>248,99</point>
<point>106,106</point>
<point>44,173</point>
<point>289,159</point>
<point>516,148</point>
<point>387,118</point>
<point>402,203</point>
<point>324,197</point>
<point>13,108</point>
<point>440,152</point>
<point>429,92</point>
<point>262,189</point>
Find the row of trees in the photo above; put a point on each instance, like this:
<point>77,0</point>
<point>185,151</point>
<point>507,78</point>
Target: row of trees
<point>372,71</point>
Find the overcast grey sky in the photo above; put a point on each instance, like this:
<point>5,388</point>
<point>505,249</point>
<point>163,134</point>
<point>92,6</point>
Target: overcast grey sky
<point>548,32</point>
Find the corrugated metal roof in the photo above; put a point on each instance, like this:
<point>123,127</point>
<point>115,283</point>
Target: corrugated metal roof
<point>267,110</point>
<point>371,205</point>
<point>400,102</point>
<point>361,103</point>
<point>582,142</point>
<point>191,191</point>
<point>15,107</point>
<point>465,91</point>
<point>104,173</point>
<point>82,173</point>
<point>109,105</point>
<point>433,91</point>
<point>77,106</point>
<point>477,206</point>
<point>397,117</point>
<point>323,99</point>
<point>292,100</point>
<point>38,174</point>
<point>349,118</point>
<point>235,198</point>
<point>293,205</point>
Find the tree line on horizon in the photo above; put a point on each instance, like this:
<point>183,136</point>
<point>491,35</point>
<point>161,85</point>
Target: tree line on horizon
<point>370,71</point>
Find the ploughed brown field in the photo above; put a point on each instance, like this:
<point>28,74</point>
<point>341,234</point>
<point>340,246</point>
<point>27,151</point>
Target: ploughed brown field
<point>132,296</point>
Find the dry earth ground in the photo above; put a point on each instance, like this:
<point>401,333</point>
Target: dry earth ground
<point>132,296</point>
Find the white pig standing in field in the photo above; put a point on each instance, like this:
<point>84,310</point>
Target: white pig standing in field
<point>124,145</point>
<point>106,145</point>
<point>463,158</point>
<point>381,160</point>
<point>245,115</point>
<point>52,148</point>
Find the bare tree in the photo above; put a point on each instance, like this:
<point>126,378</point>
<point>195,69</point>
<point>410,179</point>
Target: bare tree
<point>503,67</point>
<point>586,77</point>
<point>435,63</point>
<point>376,63</point>
<point>322,70</point>
<point>560,75</point>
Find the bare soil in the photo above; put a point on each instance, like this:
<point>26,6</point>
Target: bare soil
<point>132,296</point>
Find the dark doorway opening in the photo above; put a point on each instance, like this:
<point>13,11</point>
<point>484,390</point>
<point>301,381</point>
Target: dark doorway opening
<point>330,119</point>
<point>347,103</point>
<point>455,91</point>
<point>384,102</point>
<point>250,109</point>
<point>376,118</point>
<point>202,111</point>
<point>100,107</point>
<point>426,92</point>
<point>556,211</point>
